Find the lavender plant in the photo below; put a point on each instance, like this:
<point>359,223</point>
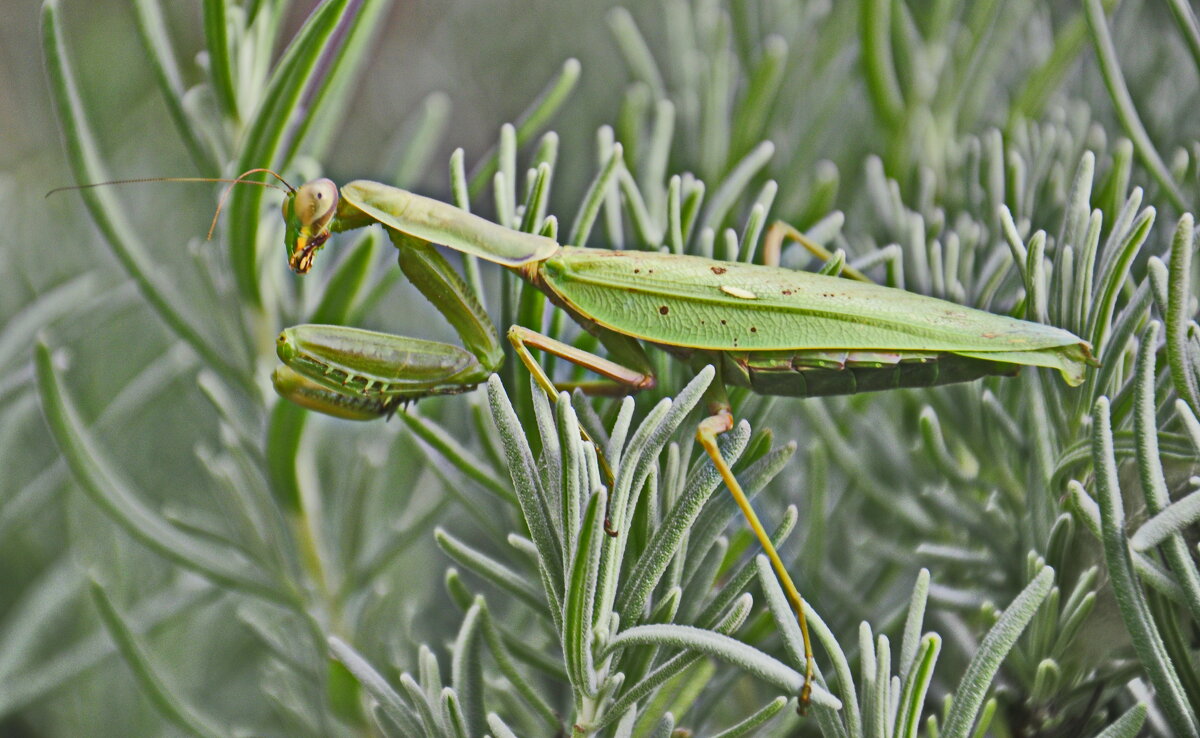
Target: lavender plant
<point>232,564</point>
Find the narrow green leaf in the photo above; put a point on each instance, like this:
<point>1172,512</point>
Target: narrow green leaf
<point>1041,83</point>
<point>466,669</point>
<point>654,158</point>
<point>677,696</point>
<point>1168,520</point>
<point>916,687</point>
<point>452,715</point>
<point>662,728</point>
<point>636,51</point>
<point>736,584</point>
<point>1185,19</point>
<point>326,108</point>
<point>31,613</point>
<point>153,31</point>
<point>753,111</point>
<point>1178,312</point>
<point>219,63</point>
<point>500,652</point>
<point>524,475</point>
<point>466,462</point>
<point>968,698</point>
<point>747,658</point>
<point>179,600</point>
<point>106,488</point>
<point>53,304</point>
<point>671,667</point>
<point>648,234</point>
<point>490,569</point>
<point>1147,641</point>
<point>589,207</point>
<point>422,703</point>
<point>1114,79</point>
<point>344,287</point>
<point>825,703</point>
<point>498,727</point>
<point>170,705</point>
<point>413,148</point>
<point>389,700</point>
<point>878,64</point>
<point>717,515</point>
<point>1128,725</point>
<point>535,204</point>
<point>755,720</point>
<point>504,181</point>
<point>139,392</point>
<point>1113,278</point>
<point>431,675</point>
<point>579,603</point>
<point>531,121</point>
<point>388,727</point>
<point>735,184</point>
<point>674,529</point>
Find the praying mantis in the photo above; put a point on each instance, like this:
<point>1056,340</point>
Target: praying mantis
<point>775,331</point>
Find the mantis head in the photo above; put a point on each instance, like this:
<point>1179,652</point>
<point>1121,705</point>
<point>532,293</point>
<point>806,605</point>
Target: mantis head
<point>307,212</point>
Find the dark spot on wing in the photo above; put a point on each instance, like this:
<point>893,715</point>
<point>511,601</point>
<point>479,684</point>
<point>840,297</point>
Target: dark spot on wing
<point>787,292</point>
<point>718,270</point>
<point>753,329</point>
<point>664,310</point>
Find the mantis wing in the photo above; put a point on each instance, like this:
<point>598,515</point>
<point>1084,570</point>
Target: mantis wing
<point>703,304</point>
<point>441,223</point>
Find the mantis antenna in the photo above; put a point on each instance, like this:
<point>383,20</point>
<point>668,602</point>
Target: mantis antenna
<point>240,179</point>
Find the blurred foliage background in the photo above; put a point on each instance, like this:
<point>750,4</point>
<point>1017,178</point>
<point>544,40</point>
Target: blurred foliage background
<point>910,130</point>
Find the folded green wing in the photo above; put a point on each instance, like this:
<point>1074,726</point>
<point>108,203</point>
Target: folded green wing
<point>705,304</point>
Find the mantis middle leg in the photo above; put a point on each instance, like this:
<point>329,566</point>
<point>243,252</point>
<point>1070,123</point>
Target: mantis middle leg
<point>618,377</point>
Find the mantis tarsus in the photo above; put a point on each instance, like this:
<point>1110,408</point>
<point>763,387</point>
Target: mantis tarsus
<point>773,330</point>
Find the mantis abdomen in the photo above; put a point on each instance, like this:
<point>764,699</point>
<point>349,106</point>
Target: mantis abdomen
<point>820,373</point>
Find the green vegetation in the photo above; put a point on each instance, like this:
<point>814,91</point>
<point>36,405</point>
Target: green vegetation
<point>185,553</point>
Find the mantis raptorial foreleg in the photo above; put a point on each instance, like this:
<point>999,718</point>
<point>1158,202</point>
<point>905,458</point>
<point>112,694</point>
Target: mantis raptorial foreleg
<point>430,273</point>
<point>359,375</point>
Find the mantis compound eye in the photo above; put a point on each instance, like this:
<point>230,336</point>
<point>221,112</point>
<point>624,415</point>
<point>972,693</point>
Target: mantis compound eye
<point>316,202</point>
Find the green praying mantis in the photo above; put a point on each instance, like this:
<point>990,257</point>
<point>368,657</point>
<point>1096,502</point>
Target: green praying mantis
<point>773,330</point>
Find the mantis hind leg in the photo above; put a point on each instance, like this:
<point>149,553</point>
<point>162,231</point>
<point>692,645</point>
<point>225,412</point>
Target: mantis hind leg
<point>709,429</point>
<point>617,377</point>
